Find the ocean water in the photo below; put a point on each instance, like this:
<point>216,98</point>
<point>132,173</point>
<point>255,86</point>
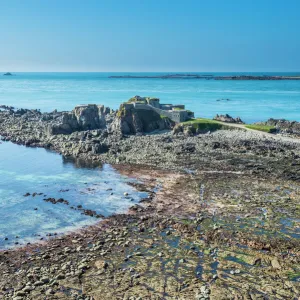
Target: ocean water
<point>35,170</point>
<point>251,100</point>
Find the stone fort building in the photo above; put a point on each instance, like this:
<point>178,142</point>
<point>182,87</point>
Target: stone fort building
<point>176,113</point>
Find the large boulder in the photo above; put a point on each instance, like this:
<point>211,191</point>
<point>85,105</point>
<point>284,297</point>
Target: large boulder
<point>130,120</point>
<point>83,117</point>
<point>90,116</point>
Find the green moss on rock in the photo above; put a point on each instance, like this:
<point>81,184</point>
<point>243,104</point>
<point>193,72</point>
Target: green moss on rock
<point>203,124</point>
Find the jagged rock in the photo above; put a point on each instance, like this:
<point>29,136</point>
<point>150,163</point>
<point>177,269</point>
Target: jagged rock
<point>228,119</point>
<point>90,116</point>
<point>83,117</point>
<point>99,148</point>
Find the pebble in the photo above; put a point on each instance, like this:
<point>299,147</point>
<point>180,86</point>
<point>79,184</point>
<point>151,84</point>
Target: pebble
<point>38,283</point>
<point>60,276</point>
<point>49,292</point>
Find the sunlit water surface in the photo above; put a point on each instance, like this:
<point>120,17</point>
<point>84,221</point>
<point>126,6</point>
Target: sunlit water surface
<point>31,170</point>
<point>251,100</point>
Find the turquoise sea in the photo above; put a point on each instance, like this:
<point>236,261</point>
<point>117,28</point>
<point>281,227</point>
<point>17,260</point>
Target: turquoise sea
<point>251,100</point>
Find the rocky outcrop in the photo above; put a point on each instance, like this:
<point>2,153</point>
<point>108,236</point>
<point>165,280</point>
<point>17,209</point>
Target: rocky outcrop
<point>138,121</point>
<point>83,117</point>
<point>284,126</point>
<point>87,130</point>
<point>228,119</point>
<point>17,112</point>
<point>6,107</point>
<point>91,116</point>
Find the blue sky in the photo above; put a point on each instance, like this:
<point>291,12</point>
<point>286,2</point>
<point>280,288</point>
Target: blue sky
<point>149,35</point>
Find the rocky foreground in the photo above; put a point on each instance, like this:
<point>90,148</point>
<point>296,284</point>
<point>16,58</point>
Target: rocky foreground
<point>221,220</point>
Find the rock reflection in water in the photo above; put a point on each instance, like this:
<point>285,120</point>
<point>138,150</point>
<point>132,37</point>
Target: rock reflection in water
<point>76,193</point>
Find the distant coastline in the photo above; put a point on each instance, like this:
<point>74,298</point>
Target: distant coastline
<point>210,77</point>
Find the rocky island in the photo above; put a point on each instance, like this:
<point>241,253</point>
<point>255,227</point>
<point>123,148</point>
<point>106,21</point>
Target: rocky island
<point>211,77</point>
<point>221,220</point>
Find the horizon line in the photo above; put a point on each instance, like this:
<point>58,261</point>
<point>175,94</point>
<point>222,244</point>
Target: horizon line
<point>147,71</point>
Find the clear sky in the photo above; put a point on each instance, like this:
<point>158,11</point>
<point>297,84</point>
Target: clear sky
<point>149,35</point>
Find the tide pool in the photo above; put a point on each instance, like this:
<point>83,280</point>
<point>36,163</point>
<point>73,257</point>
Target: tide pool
<point>34,170</point>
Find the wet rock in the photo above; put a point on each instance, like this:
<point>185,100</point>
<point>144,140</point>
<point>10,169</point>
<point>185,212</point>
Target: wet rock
<point>45,279</point>
<point>38,283</point>
<point>83,266</point>
<point>49,292</point>
<point>28,289</point>
<point>101,264</point>
<point>275,263</point>
<point>60,276</point>
<point>20,293</point>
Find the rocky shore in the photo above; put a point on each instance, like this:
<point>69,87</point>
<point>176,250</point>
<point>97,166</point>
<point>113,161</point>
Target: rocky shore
<point>221,220</point>
<point>97,133</point>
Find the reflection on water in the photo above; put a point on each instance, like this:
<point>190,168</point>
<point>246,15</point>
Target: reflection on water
<point>42,174</point>
<point>82,163</point>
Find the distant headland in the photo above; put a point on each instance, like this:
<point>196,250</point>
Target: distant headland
<point>211,77</point>
<point>7,74</point>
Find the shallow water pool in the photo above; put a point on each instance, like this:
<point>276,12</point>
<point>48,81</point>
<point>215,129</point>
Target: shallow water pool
<point>26,170</point>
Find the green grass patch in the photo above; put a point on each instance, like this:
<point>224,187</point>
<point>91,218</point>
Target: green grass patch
<point>132,100</point>
<point>204,124</point>
<point>177,108</point>
<point>265,128</point>
<point>163,117</point>
<point>143,100</point>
